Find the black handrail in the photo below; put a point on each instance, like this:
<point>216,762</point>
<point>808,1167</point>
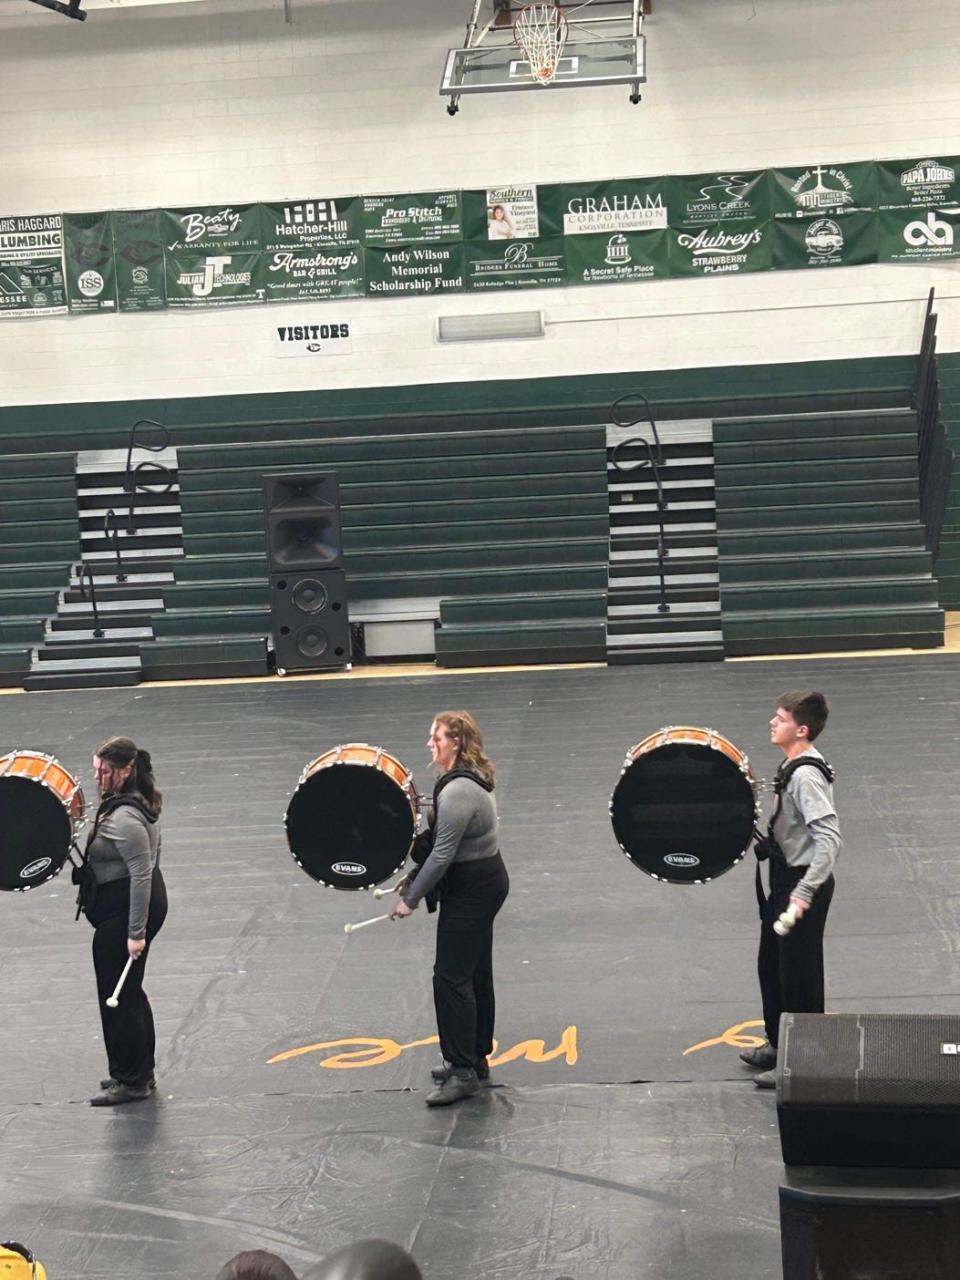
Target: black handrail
<point>131,481</point>
<point>934,456</point>
<point>84,569</point>
<point>112,534</point>
<point>652,457</point>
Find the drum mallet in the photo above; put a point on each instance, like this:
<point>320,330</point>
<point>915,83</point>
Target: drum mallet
<point>114,1000</point>
<point>384,893</point>
<point>786,921</point>
<point>362,924</point>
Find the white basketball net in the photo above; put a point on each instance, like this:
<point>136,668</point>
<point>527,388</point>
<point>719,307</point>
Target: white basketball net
<point>540,31</point>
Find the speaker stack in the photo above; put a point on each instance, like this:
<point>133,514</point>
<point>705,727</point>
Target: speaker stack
<point>308,595</point>
<point>869,1112</point>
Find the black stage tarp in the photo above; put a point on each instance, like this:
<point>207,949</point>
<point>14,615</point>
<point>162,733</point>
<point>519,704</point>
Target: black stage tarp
<point>626,1139</point>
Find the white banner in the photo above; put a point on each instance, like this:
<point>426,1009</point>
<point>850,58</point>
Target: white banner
<point>320,339</point>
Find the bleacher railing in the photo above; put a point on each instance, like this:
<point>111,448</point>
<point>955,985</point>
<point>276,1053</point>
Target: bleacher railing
<point>132,484</point>
<point>84,571</point>
<point>934,455</point>
<point>652,457</point>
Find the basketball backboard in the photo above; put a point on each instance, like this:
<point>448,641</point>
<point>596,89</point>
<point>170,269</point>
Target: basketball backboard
<point>604,46</point>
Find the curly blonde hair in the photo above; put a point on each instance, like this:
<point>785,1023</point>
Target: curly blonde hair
<point>462,728</point>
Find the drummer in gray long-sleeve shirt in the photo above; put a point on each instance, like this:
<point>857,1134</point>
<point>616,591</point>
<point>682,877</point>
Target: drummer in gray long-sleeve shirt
<point>463,867</point>
<point>123,895</point>
<point>802,844</point>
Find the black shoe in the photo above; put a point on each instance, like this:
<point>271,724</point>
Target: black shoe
<point>117,1094</point>
<point>766,1080</point>
<point>110,1082</point>
<point>439,1074</point>
<point>455,1088</point>
<point>763,1056</point>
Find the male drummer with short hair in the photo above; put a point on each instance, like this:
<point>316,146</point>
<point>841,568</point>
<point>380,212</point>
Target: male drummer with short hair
<point>803,840</point>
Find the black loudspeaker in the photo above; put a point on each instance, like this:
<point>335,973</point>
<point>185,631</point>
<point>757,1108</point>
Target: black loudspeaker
<point>880,1090</point>
<point>311,624</point>
<point>302,514</point>
<point>837,1224</point>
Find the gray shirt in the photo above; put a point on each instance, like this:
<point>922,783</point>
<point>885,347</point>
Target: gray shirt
<point>127,845</point>
<point>466,831</point>
<point>807,829</point>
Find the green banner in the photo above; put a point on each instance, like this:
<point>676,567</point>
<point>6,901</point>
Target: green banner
<point>618,259</point>
<point>415,269</point>
<point>213,280</point>
<point>704,199</point>
<point>313,224</point>
<point>918,235</point>
<point>825,242</point>
<point>216,229</point>
<point>431,218</point>
<point>516,264</point>
<point>138,258</point>
<point>89,261</point>
<point>721,250</point>
<point>31,266</point>
<point>628,204</point>
<point>918,184</point>
<point>824,188</point>
<point>294,274</point>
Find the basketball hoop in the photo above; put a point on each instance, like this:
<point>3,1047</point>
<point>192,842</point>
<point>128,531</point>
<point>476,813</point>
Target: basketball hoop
<point>540,32</point>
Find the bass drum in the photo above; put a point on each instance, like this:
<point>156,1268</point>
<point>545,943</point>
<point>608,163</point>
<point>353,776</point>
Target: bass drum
<point>41,807</point>
<point>685,807</point>
<point>351,821</point>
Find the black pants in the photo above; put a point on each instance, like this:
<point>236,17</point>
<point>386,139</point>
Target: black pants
<point>128,1032</point>
<point>473,893</point>
<point>791,968</point>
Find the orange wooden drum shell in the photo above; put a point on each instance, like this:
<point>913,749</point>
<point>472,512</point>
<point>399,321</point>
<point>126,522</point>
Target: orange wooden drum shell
<point>37,767</point>
<point>362,753</point>
<point>691,733</point>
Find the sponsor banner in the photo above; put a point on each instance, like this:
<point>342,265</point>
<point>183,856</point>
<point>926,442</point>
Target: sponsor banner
<point>918,235</point>
<point>516,264</point>
<point>313,224</point>
<point>213,228</point>
<point>31,266</point>
<point>293,274</point>
<point>918,184</point>
<point>619,258</point>
<point>213,279</point>
<point>414,269</point>
<point>824,188</point>
<point>88,259</point>
<point>138,259</point>
<point>512,213</point>
<point>312,338</point>
<point>702,199</point>
<point>629,204</point>
<point>430,218</point>
<point>721,250</point>
<point>825,242</point>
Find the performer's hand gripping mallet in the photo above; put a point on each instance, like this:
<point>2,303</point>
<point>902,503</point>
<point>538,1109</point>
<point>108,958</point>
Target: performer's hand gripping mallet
<point>114,1000</point>
<point>786,921</point>
<point>362,924</point>
<point>384,893</point>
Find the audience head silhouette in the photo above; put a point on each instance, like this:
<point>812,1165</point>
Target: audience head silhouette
<point>366,1260</point>
<point>256,1264</point>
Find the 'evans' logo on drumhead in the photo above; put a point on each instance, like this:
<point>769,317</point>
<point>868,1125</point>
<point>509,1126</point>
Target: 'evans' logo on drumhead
<point>681,860</point>
<point>349,869</point>
<point>34,868</point>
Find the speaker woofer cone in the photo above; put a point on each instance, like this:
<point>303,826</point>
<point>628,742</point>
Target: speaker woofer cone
<point>309,596</point>
<point>312,642</point>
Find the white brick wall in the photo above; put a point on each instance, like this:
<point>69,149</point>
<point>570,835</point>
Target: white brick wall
<point>224,101</point>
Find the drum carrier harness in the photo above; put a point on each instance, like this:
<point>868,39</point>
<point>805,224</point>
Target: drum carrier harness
<point>423,844</point>
<point>767,846</point>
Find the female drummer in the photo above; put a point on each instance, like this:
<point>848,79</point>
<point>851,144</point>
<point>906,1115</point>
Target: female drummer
<point>466,871</point>
<point>124,898</point>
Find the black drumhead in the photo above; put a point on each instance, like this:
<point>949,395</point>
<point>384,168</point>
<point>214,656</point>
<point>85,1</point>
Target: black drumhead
<point>349,826</point>
<point>683,813</point>
<point>35,834</point>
